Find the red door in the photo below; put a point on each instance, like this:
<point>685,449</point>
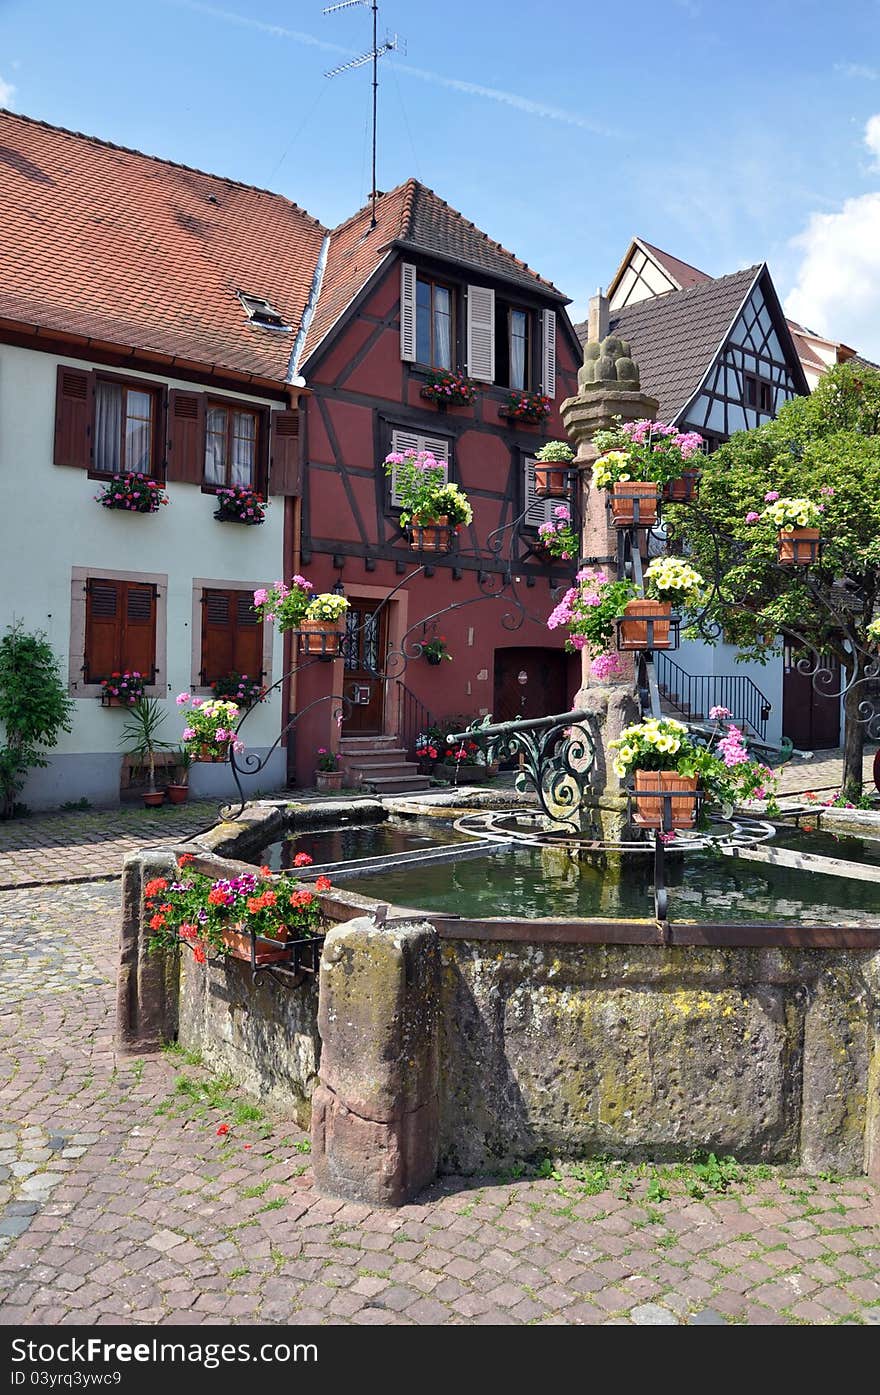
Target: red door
<point>529,683</point>
<point>363,650</point>
<point>811,709</point>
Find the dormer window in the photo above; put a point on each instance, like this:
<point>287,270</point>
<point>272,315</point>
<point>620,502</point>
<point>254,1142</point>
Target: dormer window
<point>262,312</point>
<point>434,323</point>
<point>513,336</point>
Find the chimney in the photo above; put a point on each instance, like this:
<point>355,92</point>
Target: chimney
<point>597,321</point>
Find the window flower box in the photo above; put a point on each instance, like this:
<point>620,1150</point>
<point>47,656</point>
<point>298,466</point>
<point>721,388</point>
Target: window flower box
<point>123,689</point>
<point>531,408</point>
<point>446,389</point>
<point>240,505</point>
<point>133,493</point>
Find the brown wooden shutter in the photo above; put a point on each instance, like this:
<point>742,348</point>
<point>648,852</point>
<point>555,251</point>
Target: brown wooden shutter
<point>185,447</point>
<point>284,471</point>
<point>74,413</point>
<point>218,635</point>
<point>104,612</point>
<point>139,630</point>
<point>248,645</point>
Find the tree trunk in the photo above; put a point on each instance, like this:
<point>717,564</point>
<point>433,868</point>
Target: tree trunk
<point>853,739</point>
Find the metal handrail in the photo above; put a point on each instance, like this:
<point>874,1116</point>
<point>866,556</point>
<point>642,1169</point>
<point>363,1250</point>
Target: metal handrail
<point>694,694</point>
<point>412,717</point>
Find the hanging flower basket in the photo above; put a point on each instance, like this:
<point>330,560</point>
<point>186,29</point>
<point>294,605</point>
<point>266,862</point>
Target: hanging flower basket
<point>320,639</point>
<point>634,503</point>
<point>237,944</point>
<point>214,753</point>
<point>430,534</point>
<point>665,799</point>
<point>551,482</point>
<point>446,389</point>
<point>798,547</point>
<point>684,489</point>
<point>645,625</point>
<point>797,523</point>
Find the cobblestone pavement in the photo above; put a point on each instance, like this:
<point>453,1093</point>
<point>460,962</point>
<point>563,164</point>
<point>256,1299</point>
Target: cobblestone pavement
<point>55,848</point>
<point>824,773</point>
<point>121,1202</point>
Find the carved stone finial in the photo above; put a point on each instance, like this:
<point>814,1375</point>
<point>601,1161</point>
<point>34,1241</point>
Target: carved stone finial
<point>608,364</point>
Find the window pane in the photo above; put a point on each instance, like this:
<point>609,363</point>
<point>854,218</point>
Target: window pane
<point>215,446</point>
<point>442,328</point>
<point>423,321</point>
<point>518,341</point>
<point>108,427</point>
<point>244,442</point>
<point>138,433</point>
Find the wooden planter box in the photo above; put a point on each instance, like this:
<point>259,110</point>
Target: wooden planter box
<point>238,945</point>
<point>624,499</point>
<point>552,481</point>
<point>652,785</point>
<point>468,774</point>
<point>684,489</point>
<point>320,639</point>
<point>430,535</point>
<point>799,547</point>
<point>633,632</point>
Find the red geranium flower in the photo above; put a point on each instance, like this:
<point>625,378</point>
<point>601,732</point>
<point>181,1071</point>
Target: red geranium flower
<point>222,1130</point>
<point>323,884</point>
<point>303,860</point>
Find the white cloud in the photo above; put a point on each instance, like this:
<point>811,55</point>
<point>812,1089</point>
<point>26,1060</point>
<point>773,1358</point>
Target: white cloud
<point>857,70</point>
<point>7,92</point>
<point>872,138</point>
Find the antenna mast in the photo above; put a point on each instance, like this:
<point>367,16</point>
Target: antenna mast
<point>373,56</point>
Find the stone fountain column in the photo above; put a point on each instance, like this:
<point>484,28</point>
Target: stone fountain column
<point>608,387</point>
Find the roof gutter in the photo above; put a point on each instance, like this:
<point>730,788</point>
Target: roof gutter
<point>293,378</point>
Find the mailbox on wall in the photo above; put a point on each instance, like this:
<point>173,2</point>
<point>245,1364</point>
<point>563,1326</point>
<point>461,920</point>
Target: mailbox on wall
<point>361,696</point>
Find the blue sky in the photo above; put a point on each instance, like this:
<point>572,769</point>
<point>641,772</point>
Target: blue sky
<point>727,133</point>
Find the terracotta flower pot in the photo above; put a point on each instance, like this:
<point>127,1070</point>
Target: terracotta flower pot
<point>633,631</point>
<point>153,798</point>
<point>623,501</point>
<point>329,779</point>
<point>178,794</point>
<point>799,547</point>
<point>238,945</point>
<point>218,751</point>
<point>685,488</point>
<point>430,534</point>
<point>652,785</point>
<point>320,639</point>
<point>551,481</point>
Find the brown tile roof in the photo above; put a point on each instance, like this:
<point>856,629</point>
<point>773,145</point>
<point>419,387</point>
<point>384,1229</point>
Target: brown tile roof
<point>681,272</point>
<point>675,337</point>
<point>414,218</point>
<point>107,242</point>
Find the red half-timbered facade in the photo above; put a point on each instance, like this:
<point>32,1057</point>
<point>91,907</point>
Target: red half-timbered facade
<point>431,291</point>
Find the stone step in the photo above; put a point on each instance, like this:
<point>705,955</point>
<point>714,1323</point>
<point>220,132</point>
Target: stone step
<point>367,769</point>
<point>397,784</point>
<point>350,744</point>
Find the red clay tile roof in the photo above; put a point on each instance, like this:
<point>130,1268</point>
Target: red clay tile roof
<point>120,246</point>
<point>415,218</point>
<point>681,272</point>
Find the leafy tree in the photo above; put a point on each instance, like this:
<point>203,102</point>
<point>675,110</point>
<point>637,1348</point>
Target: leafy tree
<point>825,447</point>
<point>34,708</point>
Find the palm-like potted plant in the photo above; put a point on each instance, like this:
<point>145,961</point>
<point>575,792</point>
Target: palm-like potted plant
<point>140,738</point>
<point>553,483</point>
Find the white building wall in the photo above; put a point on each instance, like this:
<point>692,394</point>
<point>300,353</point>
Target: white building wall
<point>696,657</point>
<point>50,523</point>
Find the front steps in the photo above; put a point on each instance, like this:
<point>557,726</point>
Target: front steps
<point>378,764</point>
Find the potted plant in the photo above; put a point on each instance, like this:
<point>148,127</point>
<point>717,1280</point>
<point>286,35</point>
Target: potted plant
<point>589,610</point>
<point>638,460</point>
<point>140,738</point>
<point>240,688</point>
<point>251,914</point>
<point>209,734</point>
<point>529,407</point>
<point>674,770</point>
<point>435,651</point>
<point>328,773</point>
<point>123,689</point>
<point>797,524</point>
<point>322,627</point>
<point>431,508</point>
<point>557,538</point>
<point>428,745</point>
<point>135,493</point>
<point>553,483</point>
<point>668,581</point>
<point>448,389</point>
<point>285,605</point>
<point>240,505</point>
<point>178,790</point>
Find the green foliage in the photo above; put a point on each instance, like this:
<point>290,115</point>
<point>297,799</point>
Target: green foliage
<point>34,708</point>
<point>76,806</point>
<point>140,735</point>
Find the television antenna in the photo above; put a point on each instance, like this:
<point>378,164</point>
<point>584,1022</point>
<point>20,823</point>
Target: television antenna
<point>391,42</point>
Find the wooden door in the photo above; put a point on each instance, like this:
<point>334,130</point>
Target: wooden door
<point>811,718</point>
<point>364,648</point>
<point>529,683</point>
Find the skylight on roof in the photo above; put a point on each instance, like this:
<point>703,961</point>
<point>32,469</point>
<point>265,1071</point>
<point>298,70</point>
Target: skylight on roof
<point>261,312</point>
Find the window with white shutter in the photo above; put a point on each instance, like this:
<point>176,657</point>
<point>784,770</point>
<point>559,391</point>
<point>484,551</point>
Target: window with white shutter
<point>481,333</point>
<point>548,358</point>
<point>536,510</point>
<point>407,311</point>
<point>403,441</point>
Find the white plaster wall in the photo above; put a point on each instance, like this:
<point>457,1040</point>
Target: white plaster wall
<point>50,523</point>
<point>697,658</point>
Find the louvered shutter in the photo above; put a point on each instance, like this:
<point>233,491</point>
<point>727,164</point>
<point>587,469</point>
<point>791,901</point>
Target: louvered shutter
<point>218,635</point>
<point>537,510</point>
<point>407,311</point>
<point>185,443</point>
<point>403,441</point>
<point>74,414</point>
<point>481,333</point>
<point>139,630</point>
<point>284,472</point>
<point>248,638</point>
<point>548,356</point>
<point>104,610</point>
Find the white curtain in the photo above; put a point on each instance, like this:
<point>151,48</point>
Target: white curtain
<point>215,447</point>
<point>517,349</point>
<point>442,329</point>
<point>138,424</point>
<point>244,440</point>
<point>108,427</point>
